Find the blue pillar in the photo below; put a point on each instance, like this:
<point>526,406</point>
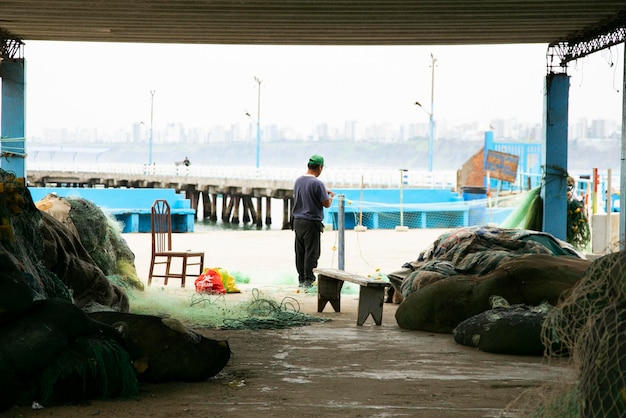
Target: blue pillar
<point>12,125</point>
<point>622,188</point>
<point>554,190</point>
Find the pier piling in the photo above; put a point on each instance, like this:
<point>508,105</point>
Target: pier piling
<point>286,213</point>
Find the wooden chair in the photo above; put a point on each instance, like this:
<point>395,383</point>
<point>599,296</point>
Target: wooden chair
<point>162,253</point>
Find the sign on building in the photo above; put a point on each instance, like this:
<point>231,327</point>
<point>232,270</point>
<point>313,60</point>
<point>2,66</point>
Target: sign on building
<point>501,166</point>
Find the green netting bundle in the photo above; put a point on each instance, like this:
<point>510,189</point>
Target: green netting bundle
<point>101,236</point>
<point>534,216</point>
<point>202,310</point>
<point>526,213</point>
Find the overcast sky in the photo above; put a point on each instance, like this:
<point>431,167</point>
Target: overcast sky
<point>108,85</point>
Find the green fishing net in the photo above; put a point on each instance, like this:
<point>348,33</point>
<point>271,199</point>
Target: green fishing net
<point>586,333</point>
<point>101,236</point>
<point>204,310</point>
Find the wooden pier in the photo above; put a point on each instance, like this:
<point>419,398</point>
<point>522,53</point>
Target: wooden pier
<point>230,194</point>
<point>239,200</point>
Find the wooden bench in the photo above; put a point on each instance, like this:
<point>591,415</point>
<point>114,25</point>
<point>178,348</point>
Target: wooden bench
<point>371,295</point>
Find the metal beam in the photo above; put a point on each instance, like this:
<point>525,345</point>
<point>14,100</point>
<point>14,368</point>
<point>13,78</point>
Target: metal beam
<point>10,46</point>
<point>604,35</point>
<point>303,22</point>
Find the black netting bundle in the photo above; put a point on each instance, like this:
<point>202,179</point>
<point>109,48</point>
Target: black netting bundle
<point>50,351</point>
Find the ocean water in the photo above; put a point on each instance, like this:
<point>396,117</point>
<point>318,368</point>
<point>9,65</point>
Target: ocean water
<point>205,225</point>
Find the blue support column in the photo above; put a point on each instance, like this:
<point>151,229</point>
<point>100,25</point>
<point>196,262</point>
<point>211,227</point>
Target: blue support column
<point>554,190</point>
<point>622,188</point>
<point>12,125</point>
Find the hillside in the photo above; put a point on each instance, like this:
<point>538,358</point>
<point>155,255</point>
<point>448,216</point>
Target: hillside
<point>448,154</point>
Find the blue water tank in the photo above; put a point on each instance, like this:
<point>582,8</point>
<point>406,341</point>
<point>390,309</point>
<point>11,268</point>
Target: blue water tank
<point>474,193</point>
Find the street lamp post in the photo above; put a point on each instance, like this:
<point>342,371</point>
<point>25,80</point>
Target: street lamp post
<point>401,227</point>
<point>151,127</point>
<point>258,124</point>
<point>431,115</point>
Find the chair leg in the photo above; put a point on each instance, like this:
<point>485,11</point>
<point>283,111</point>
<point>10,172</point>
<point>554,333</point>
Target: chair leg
<point>151,272</point>
<point>182,279</point>
<point>167,270</point>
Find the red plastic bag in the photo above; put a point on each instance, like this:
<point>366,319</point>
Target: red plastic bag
<point>210,281</point>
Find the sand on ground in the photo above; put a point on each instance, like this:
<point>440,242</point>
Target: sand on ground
<point>267,257</point>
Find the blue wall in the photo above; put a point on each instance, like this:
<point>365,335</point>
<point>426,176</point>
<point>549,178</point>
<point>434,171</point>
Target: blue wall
<point>131,207</point>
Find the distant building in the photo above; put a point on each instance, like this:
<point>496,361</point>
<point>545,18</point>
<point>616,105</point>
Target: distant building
<point>351,130</point>
<point>600,128</point>
<point>504,129</point>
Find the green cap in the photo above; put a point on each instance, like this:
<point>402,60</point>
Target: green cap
<point>316,160</point>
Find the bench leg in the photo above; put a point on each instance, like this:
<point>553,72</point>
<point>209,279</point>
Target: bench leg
<point>371,301</point>
<point>328,290</point>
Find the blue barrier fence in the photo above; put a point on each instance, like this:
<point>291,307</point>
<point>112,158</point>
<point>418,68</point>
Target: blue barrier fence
<point>388,208</point>
<point>419,208</point>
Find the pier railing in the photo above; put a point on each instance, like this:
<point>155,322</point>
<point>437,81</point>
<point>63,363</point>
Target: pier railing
<point>333,177</point>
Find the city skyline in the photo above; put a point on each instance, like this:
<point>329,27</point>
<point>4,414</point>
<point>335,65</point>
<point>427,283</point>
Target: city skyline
<point>503,130</point>
<point>107,86</point>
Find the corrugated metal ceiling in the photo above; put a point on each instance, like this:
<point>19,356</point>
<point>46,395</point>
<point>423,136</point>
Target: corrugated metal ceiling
<point>298,22</point>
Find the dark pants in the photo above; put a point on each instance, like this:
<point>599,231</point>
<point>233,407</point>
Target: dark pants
<point>307,248</point>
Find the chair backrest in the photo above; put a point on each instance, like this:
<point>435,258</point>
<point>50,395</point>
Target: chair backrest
<point>161,226</point>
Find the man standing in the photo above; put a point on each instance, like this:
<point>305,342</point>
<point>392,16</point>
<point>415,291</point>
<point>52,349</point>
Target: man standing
<point>310,197</point>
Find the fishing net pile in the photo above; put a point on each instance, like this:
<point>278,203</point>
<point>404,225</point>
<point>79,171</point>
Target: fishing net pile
<point>47,343</point>
<point>99,234</point>
<point>55,347</point>
<point>55,262</point>
<point>459,274</point>
<point>588,326</point>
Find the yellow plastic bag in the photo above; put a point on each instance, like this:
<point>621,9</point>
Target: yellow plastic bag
<point>227,280</point>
